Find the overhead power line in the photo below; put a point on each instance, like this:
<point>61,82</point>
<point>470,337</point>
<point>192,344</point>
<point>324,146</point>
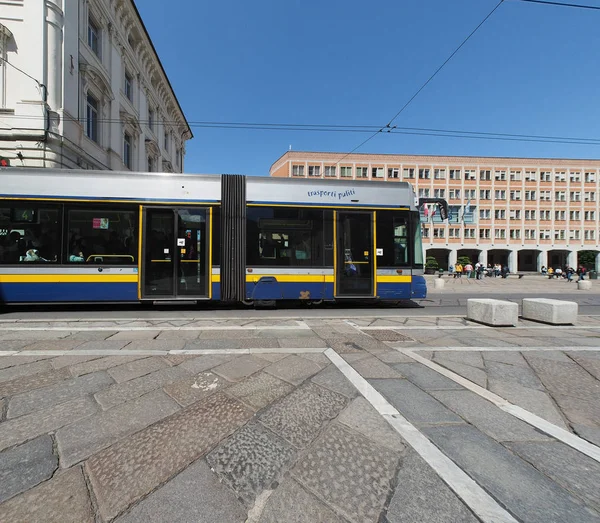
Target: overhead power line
<point>382,129</point>
<point>338,128</point>
<point>562,4</point>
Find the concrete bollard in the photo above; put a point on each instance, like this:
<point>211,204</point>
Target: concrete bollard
<point>584,285</point>
<point>493,312</point>
<point>438,284</point>
<point>554,312</point>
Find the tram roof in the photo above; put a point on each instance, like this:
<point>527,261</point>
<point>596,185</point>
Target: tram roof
<point>88,185</point>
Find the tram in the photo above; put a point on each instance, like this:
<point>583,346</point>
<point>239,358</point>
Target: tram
<point>74,236</point>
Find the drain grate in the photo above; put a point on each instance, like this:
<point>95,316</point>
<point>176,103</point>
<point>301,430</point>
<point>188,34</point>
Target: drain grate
<point>387,335</point>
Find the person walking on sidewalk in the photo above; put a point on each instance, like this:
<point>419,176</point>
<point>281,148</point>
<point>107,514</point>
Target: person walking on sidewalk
<point>468,269</point>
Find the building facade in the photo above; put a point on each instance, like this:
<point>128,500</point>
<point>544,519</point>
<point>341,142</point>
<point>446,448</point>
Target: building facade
<point>525,213</point>
<point>81,86</point>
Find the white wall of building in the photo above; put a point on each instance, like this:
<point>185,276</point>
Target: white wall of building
<point>43,107</point>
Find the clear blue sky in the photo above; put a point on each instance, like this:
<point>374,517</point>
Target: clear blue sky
<point>530,69</point>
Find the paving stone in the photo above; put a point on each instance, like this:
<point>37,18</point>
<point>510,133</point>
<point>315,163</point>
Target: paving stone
<point>135,369</point>
<point>240,367</point>
<point>473,374</point>
<point>158,345</point>
<point>178,335</point>
<point>270,357</point>
<point>13,361</point>
<point>592,434</point>
<point>571,469</point>
<point>141,335</point>
<point>536,401</point>
<point>103,343</point>
<point>178,359</point>
<point>319,358</point>
<point>28,427</point>
<point>66,361</point>
<point>128,390</point>
<point>374,368</point>
<point>471,358</point>
<point>23,467</point>
<point>362,417</point>
<point>487,417</point>
<point>578,410</point>
<point>527,493</point>
<point>292,504</point>
<point>23,335</point>
<point>193,495</point>
<point>32,381</point>
<point>333,379</point>
<point>505,356</point>
<point>63,499</point>
<point>80,440</point>
<point>13,344</point>
<point>201,363</point>
<point>194,388</point>
<point>60,392</point>
<point>91,336</point>
<point>343,346</point>
<point>97,364</point>
<point>210,344</point>
<point>258,343</point>
<point>426,378</point>
<point>260,390</point>
<point>302,343</point>
<point>356,356</point>
<point>414,404</point>
<point>567,379</point>
<point>523,376</point>
<point>349,472</point>
<point>422,496</point>
<point>133,467</point>
<point>592,365</point>
<point>394,356</point>
<point>388,335</point>
<point>228,335</point>
<point>554,355</point>
<point>283,333</point>
<point>28,369</point>
<point>299,416</point>
<point>293,369</point>
<point>64,344</point>
<point>251,460</point>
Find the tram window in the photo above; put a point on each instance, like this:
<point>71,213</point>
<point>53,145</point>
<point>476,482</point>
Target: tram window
<point>393,238</point>
<point>284,237</point>
<point>102,235</point>
<point>30,233</point>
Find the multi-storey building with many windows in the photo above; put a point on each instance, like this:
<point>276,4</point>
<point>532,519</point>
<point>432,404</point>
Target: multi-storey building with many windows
<point>81,86</point>
<point>522,212</point>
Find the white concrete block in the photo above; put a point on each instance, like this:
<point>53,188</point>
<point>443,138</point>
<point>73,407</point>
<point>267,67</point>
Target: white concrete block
<point>493,312</point>
<point>438,283</point>
<point>584,285</point>
<point>555,312</point>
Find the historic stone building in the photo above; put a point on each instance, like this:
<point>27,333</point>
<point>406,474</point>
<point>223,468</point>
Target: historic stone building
<point>81,86</point>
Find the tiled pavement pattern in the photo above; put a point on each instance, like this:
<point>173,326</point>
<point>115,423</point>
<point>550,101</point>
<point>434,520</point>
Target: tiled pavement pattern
<point>281,435</point>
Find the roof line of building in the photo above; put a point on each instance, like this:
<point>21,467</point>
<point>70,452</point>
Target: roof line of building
<point>161,66</point>
<point>523,159</point>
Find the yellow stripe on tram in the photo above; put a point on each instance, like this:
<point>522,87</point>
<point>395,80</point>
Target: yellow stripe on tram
<point>394,279</point>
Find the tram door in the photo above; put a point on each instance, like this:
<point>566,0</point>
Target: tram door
<point>355,268</point>
<point>175,253</point>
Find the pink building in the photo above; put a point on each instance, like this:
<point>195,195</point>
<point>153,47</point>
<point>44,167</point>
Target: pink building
<point>522,212</point>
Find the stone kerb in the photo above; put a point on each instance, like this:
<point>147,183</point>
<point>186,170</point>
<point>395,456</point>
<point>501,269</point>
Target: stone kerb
<point>554,312</point>
<point>584,285</point>
<point>497,313</point>
<point>438,283</point>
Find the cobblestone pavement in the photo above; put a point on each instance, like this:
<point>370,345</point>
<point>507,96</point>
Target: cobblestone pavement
<point>299,420</point>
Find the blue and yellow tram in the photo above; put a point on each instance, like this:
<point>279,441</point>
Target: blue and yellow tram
<point>89,236</point>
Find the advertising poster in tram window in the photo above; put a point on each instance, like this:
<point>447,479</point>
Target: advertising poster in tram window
<point>100,223</point>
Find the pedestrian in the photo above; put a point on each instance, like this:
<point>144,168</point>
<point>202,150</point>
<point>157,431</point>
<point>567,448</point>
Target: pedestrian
<point>459,269</point>
<point>570,272</point>
<point>468,269</point>
<point>580,273</point>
